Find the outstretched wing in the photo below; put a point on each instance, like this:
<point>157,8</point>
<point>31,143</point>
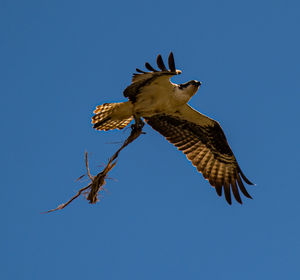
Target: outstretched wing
<point>142,79</point>
<point>204,143</point>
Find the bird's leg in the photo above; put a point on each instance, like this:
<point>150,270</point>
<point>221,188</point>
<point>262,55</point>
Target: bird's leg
<point>139,124</point>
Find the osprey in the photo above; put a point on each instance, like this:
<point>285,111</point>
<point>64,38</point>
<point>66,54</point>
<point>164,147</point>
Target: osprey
<point>164,107</point>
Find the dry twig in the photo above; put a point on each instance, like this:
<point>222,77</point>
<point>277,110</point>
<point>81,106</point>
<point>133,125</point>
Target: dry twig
<point>98,181</point>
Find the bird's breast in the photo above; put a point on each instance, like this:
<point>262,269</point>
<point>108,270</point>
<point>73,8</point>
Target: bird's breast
<point>156,101</point>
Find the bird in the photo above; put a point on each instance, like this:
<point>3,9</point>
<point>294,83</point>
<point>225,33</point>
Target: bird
<point>163,105</point>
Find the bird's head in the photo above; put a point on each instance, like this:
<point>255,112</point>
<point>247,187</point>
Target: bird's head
<point>189,88</point>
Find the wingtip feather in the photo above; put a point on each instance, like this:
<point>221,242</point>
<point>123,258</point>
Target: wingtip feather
<point>227,193</point>
<point>218,188</point>
<point>245,178</point>
<point>149,67</point>
<point>171,62</point>
<point>160,63</point>
<point>236,191</point>
<point>242,187</point>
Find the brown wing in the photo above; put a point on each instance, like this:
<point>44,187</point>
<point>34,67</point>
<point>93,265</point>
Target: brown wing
<point>142,78</point>
<point>204,143</point>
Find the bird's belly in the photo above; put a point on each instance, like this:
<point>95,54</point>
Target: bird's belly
<point>152,104</point>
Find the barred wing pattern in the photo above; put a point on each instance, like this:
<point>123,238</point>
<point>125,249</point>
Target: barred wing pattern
<point>205,145</point>
<point>143,78</point>
<point>102,120</point>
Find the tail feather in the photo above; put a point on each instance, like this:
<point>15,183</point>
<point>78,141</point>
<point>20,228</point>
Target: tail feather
<point>112,116</point>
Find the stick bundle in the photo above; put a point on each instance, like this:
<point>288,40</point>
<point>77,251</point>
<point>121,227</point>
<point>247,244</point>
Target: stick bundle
<point>98,181</point>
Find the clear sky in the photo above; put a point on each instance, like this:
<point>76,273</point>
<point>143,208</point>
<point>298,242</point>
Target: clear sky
<point>160,219</point>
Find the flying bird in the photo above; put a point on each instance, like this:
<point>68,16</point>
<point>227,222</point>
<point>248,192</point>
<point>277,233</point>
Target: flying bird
<point>163,105</point>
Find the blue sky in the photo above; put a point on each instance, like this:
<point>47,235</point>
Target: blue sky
<point>160,218</point>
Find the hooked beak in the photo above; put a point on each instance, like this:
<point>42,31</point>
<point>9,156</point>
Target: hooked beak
<point>197,83</point>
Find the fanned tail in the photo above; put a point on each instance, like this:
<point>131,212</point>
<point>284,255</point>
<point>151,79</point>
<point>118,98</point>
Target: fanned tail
<point>112,116</point>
